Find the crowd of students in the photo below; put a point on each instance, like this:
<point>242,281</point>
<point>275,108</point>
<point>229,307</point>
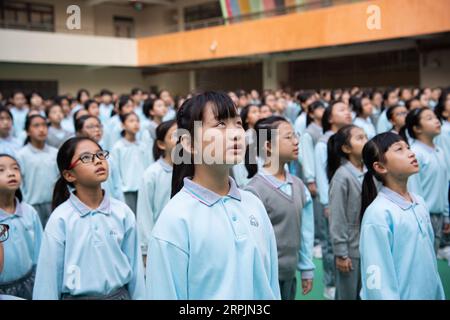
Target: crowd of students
<point>99,207</point>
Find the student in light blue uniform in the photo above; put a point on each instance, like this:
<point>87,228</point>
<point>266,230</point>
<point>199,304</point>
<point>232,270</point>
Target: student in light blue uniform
<point>21,251</point>
<point>106,106</point>
<point>345,171</point>
<point>390,99</point>
<point>154,112</point>
<point>171,113</point>
<point>89,126</point>
<point>336,116</point>
<point>90,248</point>
<point>113,127</point>
<point>423,127</point>
<point>397,116</point>
<point>155,187</point>
<point>212,240</point>
<point>288,204</point>
<point>57,135</point>
<point>8,143</point>
<point>132,158</point>
<point>398,261</point>
<point>306,99</point>
<point>363,108</point>
<point>38,164</point>
<point>19,111</point>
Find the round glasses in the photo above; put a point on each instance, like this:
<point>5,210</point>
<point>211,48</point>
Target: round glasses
<point>90,157</point>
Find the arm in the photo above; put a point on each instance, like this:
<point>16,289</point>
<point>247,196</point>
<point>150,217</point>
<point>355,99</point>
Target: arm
<point>320,153</point>
<point>305,264</point>
<point>145,215</point>
<point>338,201</point>
<point>379,278</point>
<point>131,248</point>
<point>167,270</point>
<point>306,158</point>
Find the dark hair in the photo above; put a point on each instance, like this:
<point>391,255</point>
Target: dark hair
<point>135,91</point>
<point>315,105</point>
<point>326,125</point>
<point>374,151</point>
<point>123,100</point>
<point>47,112</point>
<point>161,132</point>
<point>263,128</point>
<point>124,117</point>
<point>302,97</point>
<point>440,108</point>
<point>28,121</point>
<point>410,101</point>
<point>334,149</point>
<point>244,114</point>
<point>88,103</point>
<point>7,111</point>
<point>357,104</point>
<point>18,193</point>
<point>80,92</point>
<point>79,123</point>
<point>190,111</point>
<point>148,106</point>
<point>390,111</point>
<point>386,97</point>
<point>105,92</point>
<point>412,120</point>
<point>64,160</point>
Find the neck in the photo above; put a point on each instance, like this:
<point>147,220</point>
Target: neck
<point>157,120</point>
<point>7,201</point>
<point>56,125</point>
<point>38,144</point>
<point>399,186</point>
<point>130,136</point>
<point>276,170</point>
<point>214,178</point>
<point>92,197</point>
<point>4,135</point>
<point>426,140</point>
<point>167,158</point>
<point>356,161</point>
<point>335,128</point>
<point>364,116</point>
<point>318,122</point>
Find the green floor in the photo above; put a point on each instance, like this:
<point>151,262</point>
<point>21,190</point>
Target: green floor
<point>317,291</point>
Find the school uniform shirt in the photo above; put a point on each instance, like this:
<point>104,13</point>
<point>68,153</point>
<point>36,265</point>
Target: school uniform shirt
<point>306,151</point>
<point>68,125</point>
<point>292,111</point>
<point>345,206</point>
<point>367,126</point>
<point>132,158</point>
<point>205,246</point>
<point>443,141</point>
<point>21,250</point>
<point>397,250</point>
<point>105,112</point>
<point>10,145</point>
<point>290,209</point>
<point>56,137</point>
<point>19,119</point>
<point>300,123</point>
<point>113,132</point>
<point>39,173</point>
<point>113,185</point>
<point>89,252</point>
<point>171,114</point>
<point>383,124</point>
<point>431,182</point>
<point>321,156</point>
<point>153,195</point>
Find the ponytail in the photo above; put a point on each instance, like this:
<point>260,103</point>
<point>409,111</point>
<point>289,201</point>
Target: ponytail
<point>369,192</point>
<point>60,193</point>
<point>334,149</point>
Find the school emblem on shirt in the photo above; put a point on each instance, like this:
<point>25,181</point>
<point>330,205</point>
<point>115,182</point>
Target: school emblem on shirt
<point>253,221</point>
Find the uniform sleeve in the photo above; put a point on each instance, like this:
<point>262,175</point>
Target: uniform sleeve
<point>167,269</point>
<point>116,181</point>
<point>50,269</point>
<point>306,157</point>
<point>320,153</point>
<point>38,233</point>
<point>131,248</point>
<point>379,278</point>
<point>145,214</point>
<point>305,263</point>
<point>338,216</point>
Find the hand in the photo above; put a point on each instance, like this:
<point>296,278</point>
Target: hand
<point>307,285</point>
<point>344,265</point>
<point>312,188</point>
<point>446,229</point>
<point>326,212</point>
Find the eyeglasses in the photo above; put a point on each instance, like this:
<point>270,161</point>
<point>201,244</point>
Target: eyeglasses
<point>4,234</point>
<point>90,157</point>
<point>99,127</point>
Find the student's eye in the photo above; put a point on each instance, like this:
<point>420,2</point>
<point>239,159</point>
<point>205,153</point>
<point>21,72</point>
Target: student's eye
<point>221,124</point>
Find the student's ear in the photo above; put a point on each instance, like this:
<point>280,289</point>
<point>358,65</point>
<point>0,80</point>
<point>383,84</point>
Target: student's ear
<point>445,114</point>
<point>186,143</point>
<point>268,148</point>
<point>417,129</point>
<point>69,176</point>
<point>346,149</point>
<point>379,168</point>
<point>161,145</point>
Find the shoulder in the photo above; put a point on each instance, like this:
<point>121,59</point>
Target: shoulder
<point>28,211</point>
<point>380,212</point>
<point>121,211</point>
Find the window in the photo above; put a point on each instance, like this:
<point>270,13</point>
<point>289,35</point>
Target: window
<point>27,16</point>
<point>47,88</point>
<point>194,15</point>
<point>123,27</point>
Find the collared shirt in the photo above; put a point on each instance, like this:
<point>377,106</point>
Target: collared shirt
<point>283,186</point>
<point>383,124</point>
<point>21,250</point>
<point>39,173</point>
<point>89,252</point>
<point>431,182</point>
<point>153,195</point>
<point>207,246</point>
<point>105,112</point>
<point>321,157</point>
<point>132,158</point>
<point>397,250</point>
<point>367,126</point>
<point>10,145</point>
<point>19,116</point>
<point>443,141</point>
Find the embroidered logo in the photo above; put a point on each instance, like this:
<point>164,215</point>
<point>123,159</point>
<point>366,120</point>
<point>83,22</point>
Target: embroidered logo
<point>253,221</point>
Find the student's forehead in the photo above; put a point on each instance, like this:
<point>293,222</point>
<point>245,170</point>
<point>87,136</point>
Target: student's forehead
<point>7,161</point>
<point>87,146</point>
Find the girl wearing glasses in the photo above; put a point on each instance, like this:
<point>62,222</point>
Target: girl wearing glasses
<point>288,203</point>
<point>38,164</point>
<point>22,248</point>
<point>90,248</point>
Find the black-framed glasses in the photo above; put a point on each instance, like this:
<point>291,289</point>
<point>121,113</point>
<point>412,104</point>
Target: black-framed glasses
<point>4,232</point>
<point>90,157</point>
